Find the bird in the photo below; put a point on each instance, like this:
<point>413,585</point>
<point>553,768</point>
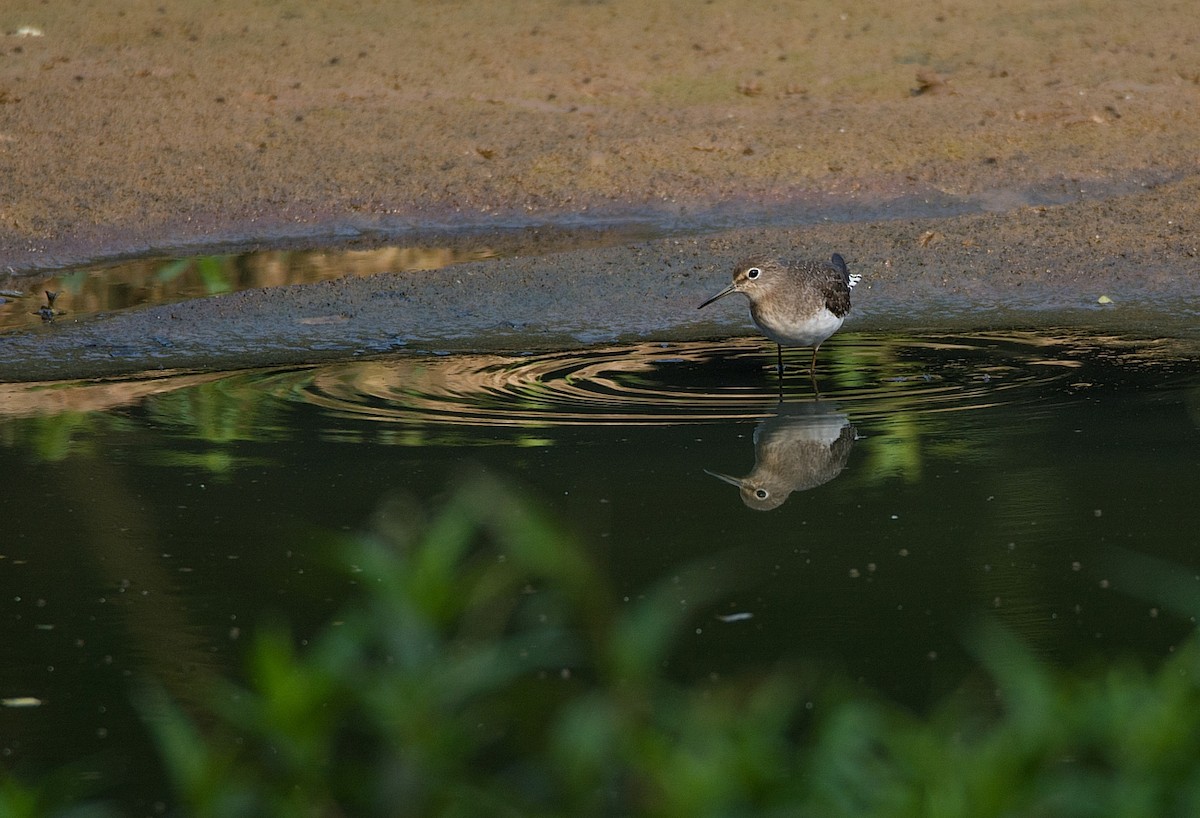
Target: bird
<point>798,449</point>
<point>794,304</point>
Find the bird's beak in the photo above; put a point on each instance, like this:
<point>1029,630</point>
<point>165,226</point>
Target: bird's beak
<point>733,481</point>
<point>722,294</point>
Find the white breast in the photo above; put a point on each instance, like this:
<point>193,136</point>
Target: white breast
<point>803,333</point>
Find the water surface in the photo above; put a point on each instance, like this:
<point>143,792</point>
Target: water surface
<point>153,523</point>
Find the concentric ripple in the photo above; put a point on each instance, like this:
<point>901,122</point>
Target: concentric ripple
<point>673,383</point>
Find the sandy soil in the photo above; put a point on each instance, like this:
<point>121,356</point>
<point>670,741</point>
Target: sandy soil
<point>1060,138</point>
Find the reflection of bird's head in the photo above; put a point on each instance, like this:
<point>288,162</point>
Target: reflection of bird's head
<point>759,495</point>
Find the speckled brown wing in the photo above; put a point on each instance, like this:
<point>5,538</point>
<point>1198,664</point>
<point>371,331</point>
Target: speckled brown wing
<point>835,284</point>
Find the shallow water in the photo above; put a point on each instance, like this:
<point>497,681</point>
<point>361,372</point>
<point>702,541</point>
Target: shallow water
<point>152,523</point>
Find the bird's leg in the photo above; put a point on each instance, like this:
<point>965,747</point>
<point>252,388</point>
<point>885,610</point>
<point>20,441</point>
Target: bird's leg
<point>812,372</point>
<point>779,359</point>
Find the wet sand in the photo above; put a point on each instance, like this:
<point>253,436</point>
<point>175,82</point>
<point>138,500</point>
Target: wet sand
<point>1056,145</point>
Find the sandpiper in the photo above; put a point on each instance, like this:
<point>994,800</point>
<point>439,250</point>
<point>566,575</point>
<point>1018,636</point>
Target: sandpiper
<point>799,304</point>
<point>802,447</point>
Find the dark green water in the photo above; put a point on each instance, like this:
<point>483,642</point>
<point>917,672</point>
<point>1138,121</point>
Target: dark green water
<point>150,525</point>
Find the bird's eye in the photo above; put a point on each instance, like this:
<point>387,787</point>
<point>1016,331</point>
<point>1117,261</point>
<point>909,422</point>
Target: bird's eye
<point>753,273</point>
<point>762,494</point>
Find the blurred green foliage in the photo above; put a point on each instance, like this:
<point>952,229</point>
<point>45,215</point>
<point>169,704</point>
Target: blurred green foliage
<point>485,668</point>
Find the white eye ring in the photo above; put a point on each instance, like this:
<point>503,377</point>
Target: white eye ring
<point>762,494</point>
<point>753,273</point>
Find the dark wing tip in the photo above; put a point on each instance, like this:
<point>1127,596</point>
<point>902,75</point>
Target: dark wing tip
<point>840,263</point>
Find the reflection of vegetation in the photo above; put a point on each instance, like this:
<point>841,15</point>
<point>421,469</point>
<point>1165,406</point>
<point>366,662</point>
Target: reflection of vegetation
<point>216,273</point>
<point>221,411</point>
<point>73,282</point>
<point>486,669</point>
<point>158,280</point>
<point>898,451</point>
<point>54,438</point>
<point>907,381</point>
<point>217,413</point>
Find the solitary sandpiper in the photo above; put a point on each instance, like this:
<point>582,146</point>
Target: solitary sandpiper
<point>802,447</point>
<point>799,304</point>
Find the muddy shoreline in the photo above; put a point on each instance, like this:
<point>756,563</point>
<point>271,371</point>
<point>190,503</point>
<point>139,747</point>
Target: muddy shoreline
<point>1014,270</point>
<point>1038,158</point>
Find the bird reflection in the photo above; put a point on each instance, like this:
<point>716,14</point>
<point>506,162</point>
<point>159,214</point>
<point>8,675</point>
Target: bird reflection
<point>48,313</point>
<point>798,449</point>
